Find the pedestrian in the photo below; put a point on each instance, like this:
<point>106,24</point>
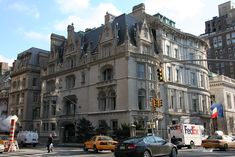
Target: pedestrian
<point>49,143</point>
<point>174,140</point>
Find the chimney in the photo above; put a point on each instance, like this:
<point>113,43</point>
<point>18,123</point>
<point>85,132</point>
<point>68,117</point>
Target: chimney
<point>138,9</point>
<point>70,30</point>
<point>108,18</point>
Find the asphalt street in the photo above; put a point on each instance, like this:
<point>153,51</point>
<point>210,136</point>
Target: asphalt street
<point>74,151</point>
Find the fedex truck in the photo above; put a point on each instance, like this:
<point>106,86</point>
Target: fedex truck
<point>185,135</point>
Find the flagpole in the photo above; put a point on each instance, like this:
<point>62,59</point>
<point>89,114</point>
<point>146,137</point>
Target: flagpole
<point>215,124</point>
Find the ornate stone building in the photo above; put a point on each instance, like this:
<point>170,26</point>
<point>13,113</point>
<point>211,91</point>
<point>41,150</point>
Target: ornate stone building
<point>24,95</point>
<point>223,90</point>
<point>109,74</point>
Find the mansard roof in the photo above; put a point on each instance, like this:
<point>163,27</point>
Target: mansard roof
<point>124,21</point>
<point>5,77</point>
<point>91,37</point>
<point>34,52</point>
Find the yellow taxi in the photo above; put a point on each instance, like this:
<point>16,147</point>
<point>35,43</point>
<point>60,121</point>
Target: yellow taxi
<point>100,142</point>
<point>4,140</point>
<point>223,142</point>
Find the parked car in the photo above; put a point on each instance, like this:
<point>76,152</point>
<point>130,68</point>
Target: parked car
<point>2,148</point>
<point>25,138</point>
<point>145,146</point>
<point>233,137</point>
<point>100,142</point>
<point>223,142</point>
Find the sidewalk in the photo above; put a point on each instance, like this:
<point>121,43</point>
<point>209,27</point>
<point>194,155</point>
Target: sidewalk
<point>78,145</point>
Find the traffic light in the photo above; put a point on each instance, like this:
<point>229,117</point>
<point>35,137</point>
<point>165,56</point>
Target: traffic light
<point>159,102</point>
<point>154,104</point>
<point>160,75</point>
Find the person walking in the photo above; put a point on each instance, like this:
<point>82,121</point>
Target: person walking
<point>174,140</point>
<point>49,143</point>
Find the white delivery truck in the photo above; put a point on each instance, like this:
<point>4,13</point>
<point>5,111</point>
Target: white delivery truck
<point>185,135</point>
<point>25,138</point>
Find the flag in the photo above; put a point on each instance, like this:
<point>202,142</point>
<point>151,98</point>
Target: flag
<point>217,110</point>
<point>214,113</point>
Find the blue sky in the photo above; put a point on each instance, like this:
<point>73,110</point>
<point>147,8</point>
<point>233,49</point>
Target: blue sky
<point>29,23</point>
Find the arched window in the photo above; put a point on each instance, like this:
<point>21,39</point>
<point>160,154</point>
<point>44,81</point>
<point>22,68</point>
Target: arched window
<point>102,101</point>
<point>141,99</point>
<point>112,100</point>
<point>107,74</point>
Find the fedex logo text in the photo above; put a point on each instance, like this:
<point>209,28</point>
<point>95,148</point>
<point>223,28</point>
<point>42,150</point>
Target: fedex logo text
<point>193,130</point>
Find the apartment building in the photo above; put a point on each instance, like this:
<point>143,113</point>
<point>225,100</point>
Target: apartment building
<point>220,33</point>
<point>24,94</point>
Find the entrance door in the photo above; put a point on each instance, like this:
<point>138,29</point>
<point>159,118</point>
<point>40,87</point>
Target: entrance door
<point>69,133</point>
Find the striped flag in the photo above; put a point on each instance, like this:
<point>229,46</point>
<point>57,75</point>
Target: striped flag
<point>217,110</point>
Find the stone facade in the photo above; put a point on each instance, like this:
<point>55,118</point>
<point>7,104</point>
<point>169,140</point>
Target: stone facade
<point>4,68</point>
<point>109,74</point>
<point>223,90</point>
<point>5,82</point>
<point>24,95</point>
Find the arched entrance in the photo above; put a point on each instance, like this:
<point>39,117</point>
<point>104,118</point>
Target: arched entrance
<point>69,133</point>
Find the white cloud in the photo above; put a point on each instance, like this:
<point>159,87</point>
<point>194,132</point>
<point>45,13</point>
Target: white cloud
<point>94,17</point>
<point>29,10</point>
<point>62,25</point>
<point>72,6</point>
<point>6,60</point>
<point>37,36</point>
<point>187,14</point>
<point>177,9</point>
